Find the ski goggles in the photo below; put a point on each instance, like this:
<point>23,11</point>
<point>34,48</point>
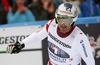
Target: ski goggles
<point>62,19</point>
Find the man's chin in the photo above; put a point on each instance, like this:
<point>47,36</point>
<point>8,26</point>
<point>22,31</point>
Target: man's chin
<point>63,31</point>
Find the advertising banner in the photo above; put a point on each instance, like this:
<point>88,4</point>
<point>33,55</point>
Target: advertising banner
<point>11,35</point>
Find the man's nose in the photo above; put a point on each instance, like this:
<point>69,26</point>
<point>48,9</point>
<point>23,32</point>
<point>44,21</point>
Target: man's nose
<point>63,24</point>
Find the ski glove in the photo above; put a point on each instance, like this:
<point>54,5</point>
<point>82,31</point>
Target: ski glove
<point>15,48</point>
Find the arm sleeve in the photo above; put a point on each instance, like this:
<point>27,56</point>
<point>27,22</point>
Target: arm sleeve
<point>85,50</point>
<point>37,36</point>
<point>30,16</point>
<point>12,17</point>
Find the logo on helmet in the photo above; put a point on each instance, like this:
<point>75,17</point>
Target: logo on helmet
<point>66,12</point>
<point>68,6</point>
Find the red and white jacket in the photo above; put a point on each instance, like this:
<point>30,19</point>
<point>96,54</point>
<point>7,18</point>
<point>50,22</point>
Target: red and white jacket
<point>63,49</point>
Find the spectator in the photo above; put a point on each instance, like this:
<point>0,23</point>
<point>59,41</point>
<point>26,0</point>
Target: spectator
<point>50,6</point>
<point>4,9</point>
<point>96,7</point>
<point>86,8</point>
<point>90,8</point>
<point>42,10</point>
<point>20,13</point>
<point>37,10</point>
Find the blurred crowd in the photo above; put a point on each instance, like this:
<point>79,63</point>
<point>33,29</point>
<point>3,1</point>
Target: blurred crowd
<point>18,11</point>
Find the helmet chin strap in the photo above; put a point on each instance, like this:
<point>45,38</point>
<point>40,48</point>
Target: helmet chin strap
<point>72,24</point>
<point>56,20</point>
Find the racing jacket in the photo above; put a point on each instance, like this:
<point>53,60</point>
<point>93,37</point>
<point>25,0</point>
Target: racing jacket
<point>63,49</point>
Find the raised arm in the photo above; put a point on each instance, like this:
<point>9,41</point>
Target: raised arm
<point>32,39</point>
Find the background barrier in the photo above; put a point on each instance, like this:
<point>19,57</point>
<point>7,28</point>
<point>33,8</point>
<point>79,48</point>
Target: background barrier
<point>10,35</point>
<point>85,20</point>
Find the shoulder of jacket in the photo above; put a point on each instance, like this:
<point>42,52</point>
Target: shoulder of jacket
<point>81,34</point>
<point>48,24</point>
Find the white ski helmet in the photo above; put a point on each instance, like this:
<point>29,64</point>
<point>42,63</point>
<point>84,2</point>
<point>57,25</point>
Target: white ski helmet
<point>67,13</point>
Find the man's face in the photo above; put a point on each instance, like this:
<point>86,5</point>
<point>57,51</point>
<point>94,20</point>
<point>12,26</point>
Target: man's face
<point>64,28</point>
<point>64,23</point>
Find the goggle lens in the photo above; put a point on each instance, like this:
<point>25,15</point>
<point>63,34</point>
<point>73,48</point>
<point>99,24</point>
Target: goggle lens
<point>64,20</point>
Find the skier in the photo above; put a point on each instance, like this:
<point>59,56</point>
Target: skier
<point>67,44</point>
